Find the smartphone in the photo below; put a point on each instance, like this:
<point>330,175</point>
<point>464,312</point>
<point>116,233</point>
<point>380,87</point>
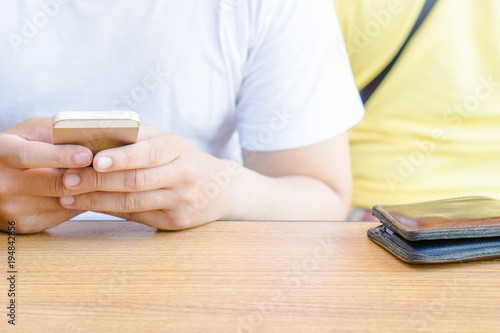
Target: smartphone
<point>96,130</point>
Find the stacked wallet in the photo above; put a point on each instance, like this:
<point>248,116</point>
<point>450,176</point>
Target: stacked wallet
<point>441,231</point>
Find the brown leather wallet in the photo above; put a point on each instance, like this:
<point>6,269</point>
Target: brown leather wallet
<point>441,231</point>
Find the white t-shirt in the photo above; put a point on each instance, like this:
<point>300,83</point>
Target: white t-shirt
<point>264,75</point>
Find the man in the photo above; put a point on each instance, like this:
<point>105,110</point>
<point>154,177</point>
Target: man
<point>263,83</point>
<point>432,127</point>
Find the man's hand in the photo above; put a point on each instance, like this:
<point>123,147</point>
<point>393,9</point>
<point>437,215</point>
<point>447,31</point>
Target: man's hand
<point>31,171</point>
<point>162,181</point>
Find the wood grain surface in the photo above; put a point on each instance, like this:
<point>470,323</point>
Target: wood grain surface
<point>238,277</point>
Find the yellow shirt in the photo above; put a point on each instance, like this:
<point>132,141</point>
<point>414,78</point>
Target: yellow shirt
<point>432,129</point>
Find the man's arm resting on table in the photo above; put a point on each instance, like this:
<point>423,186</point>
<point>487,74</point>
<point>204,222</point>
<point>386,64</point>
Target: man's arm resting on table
<point>309,183</point>
<point>165,182</point>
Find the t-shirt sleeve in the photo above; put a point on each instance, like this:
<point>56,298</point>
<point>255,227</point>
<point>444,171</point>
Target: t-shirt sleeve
<point>297,87</point>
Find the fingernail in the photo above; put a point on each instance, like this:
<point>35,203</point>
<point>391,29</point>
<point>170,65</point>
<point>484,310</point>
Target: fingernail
<point>71,180</point>
<point>82,159</point>
<point>67,201</point>
<point>104,163</point>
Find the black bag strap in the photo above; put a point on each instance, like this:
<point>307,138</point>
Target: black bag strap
<point>370,88</point>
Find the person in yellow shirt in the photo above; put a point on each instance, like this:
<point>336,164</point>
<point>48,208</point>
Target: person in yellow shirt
<point>432,126</point>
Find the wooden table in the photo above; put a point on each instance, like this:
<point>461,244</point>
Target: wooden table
<point>238,277</point>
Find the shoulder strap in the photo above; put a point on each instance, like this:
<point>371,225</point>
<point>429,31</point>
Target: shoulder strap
<point>368,91</point>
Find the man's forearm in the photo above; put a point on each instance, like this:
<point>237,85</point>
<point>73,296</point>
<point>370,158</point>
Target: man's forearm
<point>258,197</point>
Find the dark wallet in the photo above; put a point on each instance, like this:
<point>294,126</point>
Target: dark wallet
<point>441,231</point>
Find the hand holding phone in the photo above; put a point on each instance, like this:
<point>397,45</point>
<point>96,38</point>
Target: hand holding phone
<point>96,130</point>
<point>31,172</point>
